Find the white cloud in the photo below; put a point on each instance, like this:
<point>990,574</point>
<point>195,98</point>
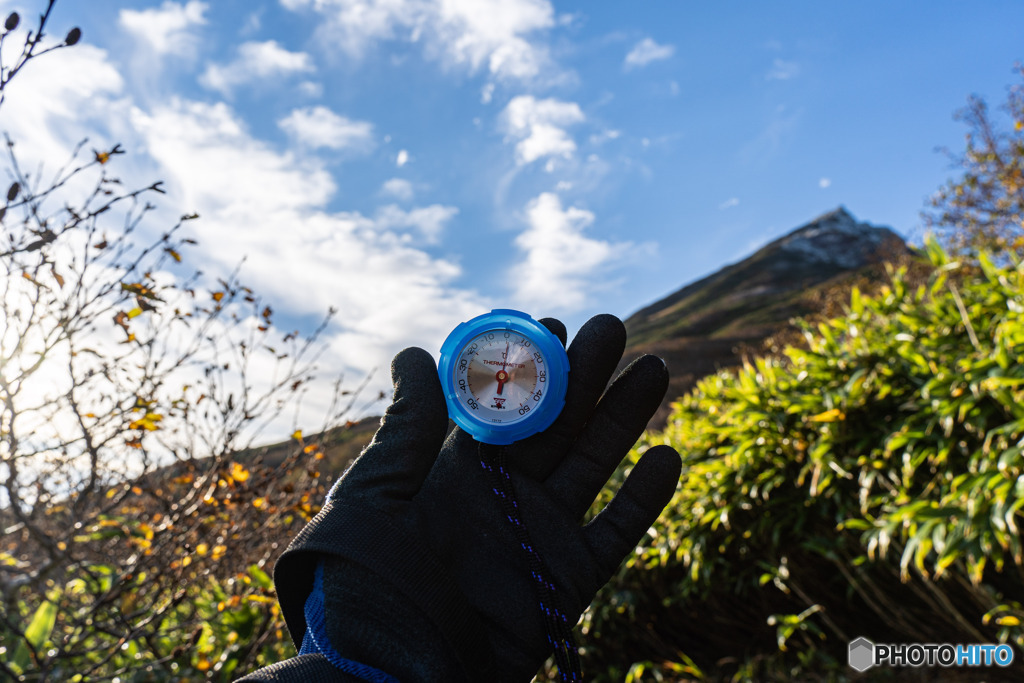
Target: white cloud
<point>67,95</point>
<point>539,127</point>
<point>647,51</point>
<point>783,71</point>
<point>166,29</point>
<point>257,202</point>
<point>253,23</point>
<point>560,262</point>
<point>311,89</point>
<point>402,158</point>
<point>256,61</point>
<point>214,161</point>
<point>824,182</point>
<point>492,35</point>
<point>269,206</point>
<point>487,93</point>
<point>729,203</point>
<point>428,221</point>
<point>316,127</point>
<point>605,136</point>
<point>399,188</point>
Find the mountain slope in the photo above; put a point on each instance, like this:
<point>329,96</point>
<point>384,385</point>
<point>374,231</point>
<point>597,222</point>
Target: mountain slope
<point>706,325</point>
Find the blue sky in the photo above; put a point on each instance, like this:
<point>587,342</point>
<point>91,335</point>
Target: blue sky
<point>417,162</point>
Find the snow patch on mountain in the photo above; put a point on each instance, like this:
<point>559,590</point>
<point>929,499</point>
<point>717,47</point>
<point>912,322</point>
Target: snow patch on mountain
<point>836,238</point>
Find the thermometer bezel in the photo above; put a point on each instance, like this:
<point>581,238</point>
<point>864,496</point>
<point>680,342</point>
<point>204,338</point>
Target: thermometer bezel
<point>556,363</point>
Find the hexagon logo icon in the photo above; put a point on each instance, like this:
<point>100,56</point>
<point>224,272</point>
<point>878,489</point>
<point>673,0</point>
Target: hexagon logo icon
<point>862,654</point>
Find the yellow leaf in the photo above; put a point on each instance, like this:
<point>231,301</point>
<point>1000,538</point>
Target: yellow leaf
<point>217,296</point>
<point>148,422</point>
<point>218,551</point>
<point>297,435</point>
<point>174,255</point>
<point>259,503</point>
<point>833,415</point>
<point>102,157</point>
<point>239,473</point>
<point>1008,621</point>
<point>134,313</point>
<point>310,448</point>
<point>202,548</point>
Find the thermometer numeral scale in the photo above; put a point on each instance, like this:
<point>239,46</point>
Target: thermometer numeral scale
<point>504,376</point>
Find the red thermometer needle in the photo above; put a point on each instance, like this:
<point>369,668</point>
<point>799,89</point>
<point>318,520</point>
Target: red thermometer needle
<point>502,375</point>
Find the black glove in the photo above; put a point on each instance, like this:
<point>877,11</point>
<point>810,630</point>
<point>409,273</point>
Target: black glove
<point>423,574</point>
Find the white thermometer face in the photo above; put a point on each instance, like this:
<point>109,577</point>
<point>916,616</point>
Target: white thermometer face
<point>500,376</point>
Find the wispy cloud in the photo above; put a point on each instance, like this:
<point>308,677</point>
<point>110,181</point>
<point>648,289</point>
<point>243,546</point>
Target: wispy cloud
<point>498,36</point>
<point>647,51</point>
<point>824,182</point>
<point>782,70</point>
<point>729,203</point>
<point>167,29</point>
<point>317,127</point>
<point>604,136</point>
<point>256,61</point>
<point>427,221</point>
<point>539,127</point>
<point>775,134</point>
<point>399,188</point>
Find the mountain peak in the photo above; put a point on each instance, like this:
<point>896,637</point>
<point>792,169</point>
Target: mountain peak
<point>836,238</point>
<point>700,328</point>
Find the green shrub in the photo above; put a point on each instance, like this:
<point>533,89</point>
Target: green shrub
<point>870,484</point>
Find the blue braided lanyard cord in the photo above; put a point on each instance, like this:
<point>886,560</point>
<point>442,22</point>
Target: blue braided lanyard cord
<point>315,640</point>
<point>559,629</point>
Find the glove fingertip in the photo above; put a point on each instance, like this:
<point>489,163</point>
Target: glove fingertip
<point>659,470</point>
<point>635,507</point>
<point>556,328</point>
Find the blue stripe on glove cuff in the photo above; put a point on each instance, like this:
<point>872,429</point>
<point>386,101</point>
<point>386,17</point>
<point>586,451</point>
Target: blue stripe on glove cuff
<point>315,639</point>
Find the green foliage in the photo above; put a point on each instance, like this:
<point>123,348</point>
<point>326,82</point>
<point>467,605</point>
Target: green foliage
<point>239,623</point>
<point>870,484</point>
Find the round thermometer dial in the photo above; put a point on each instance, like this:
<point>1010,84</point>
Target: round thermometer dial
<point>504,376</point>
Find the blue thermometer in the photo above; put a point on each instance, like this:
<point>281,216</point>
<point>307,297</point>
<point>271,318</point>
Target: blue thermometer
<point>504,376</point>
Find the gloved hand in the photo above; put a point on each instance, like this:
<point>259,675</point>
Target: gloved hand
<point>423,575</point>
